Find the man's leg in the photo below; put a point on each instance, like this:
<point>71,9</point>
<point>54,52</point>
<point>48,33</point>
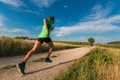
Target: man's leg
<point>50,44</point>
<point>21,66</point>
<point>33,50</point>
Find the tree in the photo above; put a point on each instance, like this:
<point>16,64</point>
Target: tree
<point>21,37</point>
<point>91,41</point>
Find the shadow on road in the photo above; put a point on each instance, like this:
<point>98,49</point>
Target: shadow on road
<point>32,72</point>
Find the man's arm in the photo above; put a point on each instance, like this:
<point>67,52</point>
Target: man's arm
<point>52,28</point>
<point>45,23</point>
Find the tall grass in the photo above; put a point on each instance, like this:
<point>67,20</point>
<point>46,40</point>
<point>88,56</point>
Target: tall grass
<point>13,47</point>
<point>110,45</point>
<point>99,64</point>
<point>76,43</point>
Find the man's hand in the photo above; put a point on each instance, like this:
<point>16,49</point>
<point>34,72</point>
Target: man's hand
<point>52,28</point>
<point>46,25</point>
<point>48,32</point>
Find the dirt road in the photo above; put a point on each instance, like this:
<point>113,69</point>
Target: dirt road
<point>41,70</point>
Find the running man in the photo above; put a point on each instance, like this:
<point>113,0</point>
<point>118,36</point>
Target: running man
<point>44,36</point>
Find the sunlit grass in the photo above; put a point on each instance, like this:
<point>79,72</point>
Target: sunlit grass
<point>99,64</point>
<point>13,47</point>
<point>110,45</point>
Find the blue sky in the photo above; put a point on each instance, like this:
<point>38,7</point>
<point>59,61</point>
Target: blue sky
<point>75,20</point>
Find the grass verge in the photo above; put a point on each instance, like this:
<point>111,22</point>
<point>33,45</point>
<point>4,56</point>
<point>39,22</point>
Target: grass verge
<point>14,47</point>
<point>99,64</point>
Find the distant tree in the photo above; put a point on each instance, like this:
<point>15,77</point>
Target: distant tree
<point>2,36</point>
<point>91,41</point>
<point>114,42</point>
<point>21,38</point>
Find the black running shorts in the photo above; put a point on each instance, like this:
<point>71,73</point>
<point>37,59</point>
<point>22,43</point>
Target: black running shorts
<point>46,40</point>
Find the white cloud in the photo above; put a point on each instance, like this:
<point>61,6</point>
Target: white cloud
<point>98,12</point>
<point>103,39</point>
<point>43,3</point>
<point>65,6</point>
<point>9,31</point>
<point>14,3</point>
<point>38,28</point>
<point>5,31</point>
<point>13,30</point>
<point>36,12</point>
<point>2,19</point>
<point>93,27</point>
<point>95,23</point>
<point>1,22</point>
<point>33,12</point>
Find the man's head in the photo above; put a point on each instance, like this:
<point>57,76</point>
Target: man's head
<point>52,19</point>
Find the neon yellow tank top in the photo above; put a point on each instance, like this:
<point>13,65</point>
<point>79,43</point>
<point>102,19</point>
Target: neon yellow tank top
<point>43,33</point>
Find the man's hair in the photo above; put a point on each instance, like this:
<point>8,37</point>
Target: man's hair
<point>51,17</point>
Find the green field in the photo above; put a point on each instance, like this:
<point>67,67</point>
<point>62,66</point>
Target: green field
<point>99,64</point>
<point>110,45</point>
<point>102,63</point>
<point>13,47</point>
<point>75,43</point>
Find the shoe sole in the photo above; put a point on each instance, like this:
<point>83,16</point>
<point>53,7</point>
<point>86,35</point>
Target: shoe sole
<point>18,69</point>
<point>48,61</point>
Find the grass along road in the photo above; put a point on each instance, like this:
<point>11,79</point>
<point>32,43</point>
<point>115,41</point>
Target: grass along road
<point>44,71</point>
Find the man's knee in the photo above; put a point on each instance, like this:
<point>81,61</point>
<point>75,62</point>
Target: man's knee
<point>33,50</point>
<point>52,47</point>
